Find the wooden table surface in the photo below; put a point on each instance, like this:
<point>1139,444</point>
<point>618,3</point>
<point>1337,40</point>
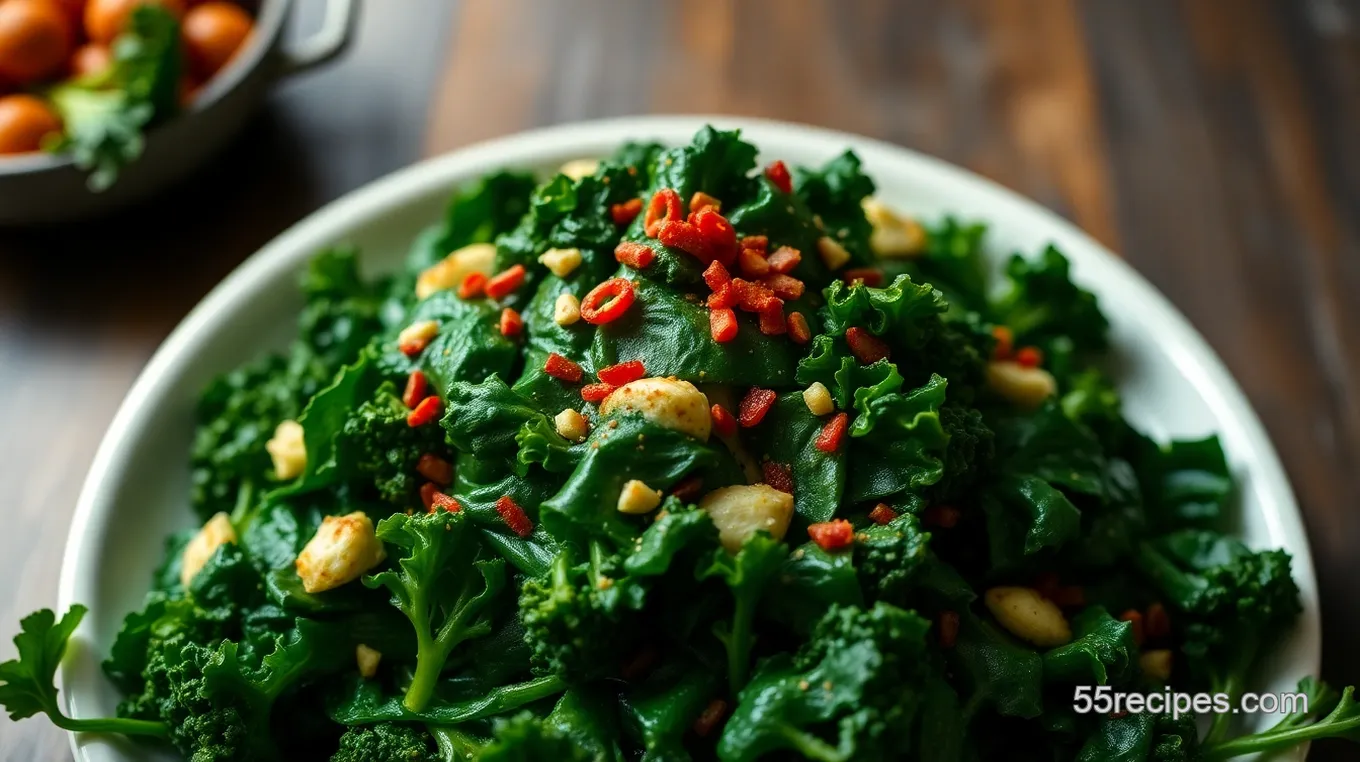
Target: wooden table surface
<point>1210,142</point>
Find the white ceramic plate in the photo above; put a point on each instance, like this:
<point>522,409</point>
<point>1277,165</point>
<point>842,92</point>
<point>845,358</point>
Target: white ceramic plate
<point>136,491</point>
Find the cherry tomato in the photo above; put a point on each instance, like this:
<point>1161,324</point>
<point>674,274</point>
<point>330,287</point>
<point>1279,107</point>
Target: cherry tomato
<point>105,19</point>
<point>212,33</point>
<point>34,40</point>
<point>24,120</point>
<point>90,59</point>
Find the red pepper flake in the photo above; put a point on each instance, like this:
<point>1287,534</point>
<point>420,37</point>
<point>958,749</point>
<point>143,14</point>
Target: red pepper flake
<point>445,503</point>
<point>709,718</point>
<point>723,422</point>
<point>504,283</point>
<point>681,235</point>
<point>700,201</point>
<point>784,259</point>
<point>866,347</point>
<point>596,392</point>
<point>772,321</point>
<point>785,287</point>
<point>413,347</point>
<point>622,373</point>
<point>753,407</point>
<point>718,232</point>
<point>869,276</point>
<point>626,212</point>
<point>436,469</point>
<point>663,206</point>
<point>754,297</point>
<point>752,264</point>
<point>882,514</point>
<point>473,286</point>
<point>716,275</point>
<point>428,410</point>
<point>836,534</point>
<point>722,324</point>
<point>416,387</point>
<point>942,516</point>
<point>1005,343</point>
<point>635,255</point>
<point>608,301</point>
<point>514,516</point>
<point>758,242</point>
<point>562,369</point>
<point>724,297</point>
<point>511,322</point>
<point>1135,618</point>
<point>427,492</point>
<point>778,175</point>
<point>1029,357</point>
<point>829,440</point>
<point>1156,623</point>
<point>689,488</point>
<point>949,628</point>
<point>777,475</point>
<point>798,328</point>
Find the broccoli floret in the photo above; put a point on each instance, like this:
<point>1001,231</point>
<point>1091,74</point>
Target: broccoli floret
<point>525,738</point>
<point>852,692</point>
<point>1232,603</point>
<point>386,742</point>
<point>575,627</point>
<point>888,555</point>
<point>972,445</point>
<point>381,446</point>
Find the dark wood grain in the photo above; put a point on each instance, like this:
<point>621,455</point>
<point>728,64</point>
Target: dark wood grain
<point>1210,142</point>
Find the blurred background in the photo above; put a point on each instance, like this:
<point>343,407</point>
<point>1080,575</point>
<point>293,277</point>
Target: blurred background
<point>1209,142</point>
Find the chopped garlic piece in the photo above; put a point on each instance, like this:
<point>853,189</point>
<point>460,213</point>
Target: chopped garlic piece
<point>367,659</point>
<point>571,425</point>
<point>818,399</point>
<point>834,255</point>
<point>214,534</point>
<point>668,402</point>
<point>343,549</point>
<point>893,235</point>
<point>418,333</point>
<point>567,309</point>
<point>1020,385</point>
<point>1156,664</point>
<point>579,168</point>
<point>1029,616</point>
<point>450,271</point>
<point>742,510</point>
<point>561,262</point>
<point>288,450</point>
<point>637,498</point>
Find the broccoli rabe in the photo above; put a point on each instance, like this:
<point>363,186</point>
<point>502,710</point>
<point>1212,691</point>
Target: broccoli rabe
<point>572,621</point>
<point>378,443</point>
<point>387,742</point>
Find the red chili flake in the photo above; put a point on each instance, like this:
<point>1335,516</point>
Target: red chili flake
<point>681,235</point>
<point>1030,357</point>
<point>753,407</point>
<point>640,665</point>
<point>511,322</point>
<point>596,392</point>
<point>445,503</point>
<point>777,475</point>
<point>428,410</point>
<point>473,286</point>
<point>436,469</point>
<point>427,492</point>
<point>1156,623</point>
<point>942,516</point>
<point>784,259</point>
<point>608,301</point>
<point>413,348</point>
<point>635,255</point>
<point>1135,618</point>
<point>866,347</point>
<point>772,321</point>
<point>561,368</point>
<point>785,287</point>
<point>663,206</point>
<point>504,283</point>
<point>716,275</point>
<point>832,535</point>
<point>752,264</point>
<point>758,242</point>
<point>689,488</point>
<point>700,201</point>
<point>753,297</point>
<point>722,324</point>
<point>724,297</point>
<point>882,514</point>
<point>798,328</point>
<point>514,516</point>
<point>1005,343</point>
<point>709,718</point>
<point>869,276</point>
<point>778,175</point>
<point>718,232</point>
<point>626,212</point>
<point>622,373</point>
<point>829,440</point>
<point>416,386</point>
<point>723,422</point>
<point>949,628</point>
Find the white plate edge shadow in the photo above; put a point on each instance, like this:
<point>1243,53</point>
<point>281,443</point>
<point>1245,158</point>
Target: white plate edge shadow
<point>1095,266</point>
